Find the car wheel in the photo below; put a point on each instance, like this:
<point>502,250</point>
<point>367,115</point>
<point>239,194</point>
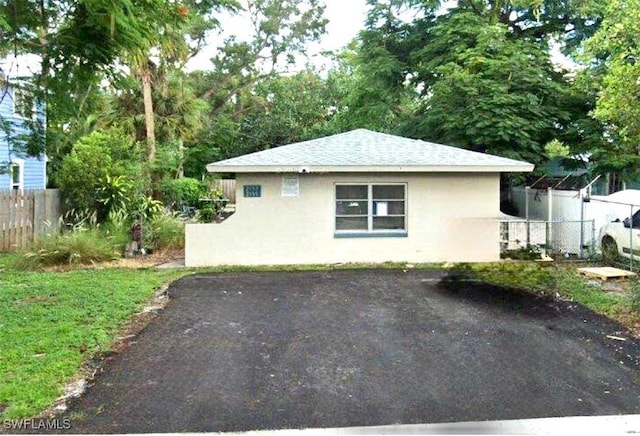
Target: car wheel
<point>609,249</point>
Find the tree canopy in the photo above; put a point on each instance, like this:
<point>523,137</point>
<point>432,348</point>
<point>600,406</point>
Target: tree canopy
<point>479,74</point>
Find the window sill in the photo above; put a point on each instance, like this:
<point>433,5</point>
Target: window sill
<point>379,234</point>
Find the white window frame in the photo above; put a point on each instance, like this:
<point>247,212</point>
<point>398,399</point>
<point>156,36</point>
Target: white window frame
<point>370,231</point>
<point>19,163</point>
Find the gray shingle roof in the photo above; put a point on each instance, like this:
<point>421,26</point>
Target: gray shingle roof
<point>364,150</point>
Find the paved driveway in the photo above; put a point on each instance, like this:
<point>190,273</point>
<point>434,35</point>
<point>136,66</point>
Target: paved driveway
<point>353,348</point>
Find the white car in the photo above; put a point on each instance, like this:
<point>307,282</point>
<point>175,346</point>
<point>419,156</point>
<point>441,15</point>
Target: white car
<point>621,237</point>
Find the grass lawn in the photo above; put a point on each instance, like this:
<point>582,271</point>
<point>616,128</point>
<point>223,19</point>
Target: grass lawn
<point>53,322</point>
<point>563,281</point>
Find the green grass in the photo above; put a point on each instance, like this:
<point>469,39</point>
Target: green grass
<point>78,247</point>
<point>51,323</point>
<point>557,280</point>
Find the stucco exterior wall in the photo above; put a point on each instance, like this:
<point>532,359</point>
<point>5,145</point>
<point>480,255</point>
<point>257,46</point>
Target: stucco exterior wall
<point>450,217</point>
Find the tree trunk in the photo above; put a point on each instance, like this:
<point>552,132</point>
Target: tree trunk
<point>180,172</point>
<point>148,114</point>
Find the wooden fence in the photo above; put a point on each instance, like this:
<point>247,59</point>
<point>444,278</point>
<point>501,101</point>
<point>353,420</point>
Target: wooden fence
<point>27,215</point>
<point>228,187</point>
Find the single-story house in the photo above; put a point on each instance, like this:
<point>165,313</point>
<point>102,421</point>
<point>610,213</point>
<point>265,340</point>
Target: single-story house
<point>359,196</point>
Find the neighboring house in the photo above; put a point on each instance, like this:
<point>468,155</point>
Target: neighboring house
<point>18,110</point>
<point>359,196</point>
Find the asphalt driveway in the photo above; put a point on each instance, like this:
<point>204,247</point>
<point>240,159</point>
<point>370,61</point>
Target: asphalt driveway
<point>353,348</point>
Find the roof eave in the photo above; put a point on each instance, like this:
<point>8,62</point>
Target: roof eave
<point>213,168</point>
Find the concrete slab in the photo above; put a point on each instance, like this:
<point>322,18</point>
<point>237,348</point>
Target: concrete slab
<point>173,264</point>
<point>583,425</point>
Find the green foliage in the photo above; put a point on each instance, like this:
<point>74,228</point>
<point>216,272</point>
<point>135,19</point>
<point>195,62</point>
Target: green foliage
<point>114,194</point>
<point>477,75</point>
<point>184,190</point>
<point>551,281</point>
<point>524,253</point>
<point>53,323</point>
<point>209,211</point>
<point>166,232</point>
<point>635,296</point>
<point>556,148</point>
<point>492,93</point>
<point>146,208</point>
<point>235,89</point>
<point>207,214</point>
<point>79,246</point>
<point>103,163</point>
<point>614,72</point>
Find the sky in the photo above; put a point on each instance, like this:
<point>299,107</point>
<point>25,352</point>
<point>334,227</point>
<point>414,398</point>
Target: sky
<point>346,19</point>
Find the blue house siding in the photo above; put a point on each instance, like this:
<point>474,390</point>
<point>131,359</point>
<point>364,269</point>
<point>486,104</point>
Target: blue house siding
<point>34,168</point>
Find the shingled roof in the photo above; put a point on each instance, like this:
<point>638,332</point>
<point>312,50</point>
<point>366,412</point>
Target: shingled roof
<point>362,150</point>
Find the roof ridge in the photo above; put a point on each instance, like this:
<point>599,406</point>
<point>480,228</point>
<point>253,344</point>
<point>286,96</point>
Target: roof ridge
<point>363,148</point>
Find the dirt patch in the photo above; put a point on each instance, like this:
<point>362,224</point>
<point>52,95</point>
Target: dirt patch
<point>150,260</point>
<point>630,321</point>
<point>138,262</point>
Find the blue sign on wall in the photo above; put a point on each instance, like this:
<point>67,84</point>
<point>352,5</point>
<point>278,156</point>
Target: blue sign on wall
<point>252,191</point>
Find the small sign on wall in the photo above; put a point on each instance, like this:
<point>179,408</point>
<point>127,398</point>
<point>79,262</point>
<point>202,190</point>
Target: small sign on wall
<point>290,185</point>
<point>252,191</point>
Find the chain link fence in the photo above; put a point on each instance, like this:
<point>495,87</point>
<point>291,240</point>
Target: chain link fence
<point>557,239</point>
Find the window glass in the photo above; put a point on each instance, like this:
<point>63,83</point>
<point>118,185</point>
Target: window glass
<point>355,192</point>
<point>370,208</point>
<point>351,223</point>
<point>392,208</point>
<point>388,192</point>
<point>636,220</point>
<point>351,207</point>
<point>15,176</point>
<point>388,223</point>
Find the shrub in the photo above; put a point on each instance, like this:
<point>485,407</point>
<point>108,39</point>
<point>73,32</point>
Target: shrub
<point>94,157</point>
<point>114,194</point>
<point>207,214</point>
<point>185,190</point>
<point>118,227</point>
<point>165,232</point>
<point>147,209</point>
<point>79,246</point>
<point>209,211</point>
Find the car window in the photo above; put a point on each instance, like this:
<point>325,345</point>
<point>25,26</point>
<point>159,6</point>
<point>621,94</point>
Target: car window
<point>636,220</point>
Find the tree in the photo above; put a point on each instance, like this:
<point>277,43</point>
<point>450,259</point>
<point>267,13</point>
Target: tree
<point>277,110</point>
<point>477,74</point>
<point>614,73</point>
<point>79,41</point>
<point>178,115</point>
<point>76,41</point>
<point>490,93</point>
<point>280,31</point>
